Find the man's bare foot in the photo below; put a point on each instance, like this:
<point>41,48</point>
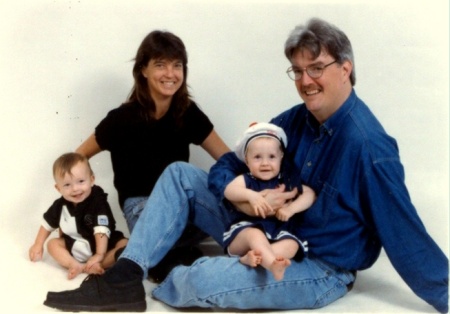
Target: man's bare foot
<point>252,258</point>
<point>75,270</point>
<point>96,269</point>
<point>279,266</point>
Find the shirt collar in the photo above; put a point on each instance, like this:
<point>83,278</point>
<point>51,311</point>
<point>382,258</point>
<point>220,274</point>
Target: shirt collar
<point>333,122</point>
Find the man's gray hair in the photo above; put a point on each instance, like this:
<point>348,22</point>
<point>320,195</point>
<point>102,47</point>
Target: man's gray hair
<point>319,36</point>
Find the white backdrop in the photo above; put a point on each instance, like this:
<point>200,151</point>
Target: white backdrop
<point>65,64</point>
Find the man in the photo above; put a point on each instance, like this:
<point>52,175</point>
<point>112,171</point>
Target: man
<point>362,205</point>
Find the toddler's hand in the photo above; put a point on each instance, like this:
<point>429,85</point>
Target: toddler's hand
<point>35,253</point>
<point>93,265</point>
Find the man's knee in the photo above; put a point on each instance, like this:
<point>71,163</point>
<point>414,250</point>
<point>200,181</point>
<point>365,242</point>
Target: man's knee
<point>200,278</point>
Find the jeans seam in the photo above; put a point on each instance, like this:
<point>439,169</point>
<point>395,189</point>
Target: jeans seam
<point>268,286</point>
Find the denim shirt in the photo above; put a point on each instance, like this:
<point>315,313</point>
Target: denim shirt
<point>362,203</point>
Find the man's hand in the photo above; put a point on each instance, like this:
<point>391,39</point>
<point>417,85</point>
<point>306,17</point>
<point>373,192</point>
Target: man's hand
<point>274,198</point>
<point>261,207</point>
<point>278,197</point>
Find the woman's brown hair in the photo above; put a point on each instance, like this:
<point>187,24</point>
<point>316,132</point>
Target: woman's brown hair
<point>159,45</point>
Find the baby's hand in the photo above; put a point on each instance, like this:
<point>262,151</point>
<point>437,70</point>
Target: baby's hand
<point>96,258</point>
<point>283,214</point>
<point>35,252</point>
<point>93,265</point>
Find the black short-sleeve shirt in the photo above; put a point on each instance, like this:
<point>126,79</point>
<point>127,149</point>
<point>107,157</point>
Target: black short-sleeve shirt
<point>141,149</point>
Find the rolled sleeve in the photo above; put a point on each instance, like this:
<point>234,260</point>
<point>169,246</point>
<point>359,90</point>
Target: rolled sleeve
<point>102,229</point>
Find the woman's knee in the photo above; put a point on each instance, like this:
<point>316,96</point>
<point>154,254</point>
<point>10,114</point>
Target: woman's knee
<point>132,209</point>
<point>180,168</point>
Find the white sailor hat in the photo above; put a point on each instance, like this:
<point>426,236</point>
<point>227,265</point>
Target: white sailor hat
<point>261,129</point>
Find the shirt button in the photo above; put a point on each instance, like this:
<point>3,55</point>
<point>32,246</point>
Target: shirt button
<point>309,164</point>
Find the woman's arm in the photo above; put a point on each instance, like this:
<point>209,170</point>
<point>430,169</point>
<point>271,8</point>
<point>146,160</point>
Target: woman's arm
<point>89,147</point>
<point>214,145</point>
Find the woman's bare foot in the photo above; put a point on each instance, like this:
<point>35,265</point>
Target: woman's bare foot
<point>278,267</point>
<point>252,258</point>
<point>74,270</point>
<point>96,269</point>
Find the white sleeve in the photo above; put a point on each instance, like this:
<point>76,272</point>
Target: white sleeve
<point>47,226</point>
<point>102,229</point>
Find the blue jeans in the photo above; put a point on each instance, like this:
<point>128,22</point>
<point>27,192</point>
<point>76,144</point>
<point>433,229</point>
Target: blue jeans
<point>180,196</point>
<point>132,208</point>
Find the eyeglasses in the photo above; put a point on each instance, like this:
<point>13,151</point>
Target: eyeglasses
<point>314,71</point>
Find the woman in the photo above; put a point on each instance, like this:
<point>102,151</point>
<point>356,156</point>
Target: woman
<point>155,126</point>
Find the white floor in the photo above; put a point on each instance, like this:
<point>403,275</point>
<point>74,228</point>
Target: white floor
<point>25,284</point>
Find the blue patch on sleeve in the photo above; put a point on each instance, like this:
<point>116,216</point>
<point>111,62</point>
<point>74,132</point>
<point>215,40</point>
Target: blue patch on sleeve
<point>102,220</point>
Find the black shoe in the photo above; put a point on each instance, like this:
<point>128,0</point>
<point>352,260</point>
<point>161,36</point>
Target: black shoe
<point>177,256</point>
<point>95,295</point>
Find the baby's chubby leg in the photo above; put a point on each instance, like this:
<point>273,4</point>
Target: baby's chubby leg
<point>57,249</point>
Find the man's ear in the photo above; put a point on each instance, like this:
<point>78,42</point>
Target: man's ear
<point>347,68</point>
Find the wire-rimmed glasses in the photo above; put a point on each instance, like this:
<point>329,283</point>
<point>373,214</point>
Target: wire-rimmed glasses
<point>314,71</point>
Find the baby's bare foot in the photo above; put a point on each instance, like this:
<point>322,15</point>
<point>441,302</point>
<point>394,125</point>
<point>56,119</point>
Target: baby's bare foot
<point>75,270</point>
<point>279,266</point>
<point>252,258</point>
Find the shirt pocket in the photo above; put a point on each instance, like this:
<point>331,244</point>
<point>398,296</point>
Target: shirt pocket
<point>318,214</point>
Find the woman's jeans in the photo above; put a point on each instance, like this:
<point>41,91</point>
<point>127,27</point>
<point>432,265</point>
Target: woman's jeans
<point>180,196</point>
<point>132,208</point>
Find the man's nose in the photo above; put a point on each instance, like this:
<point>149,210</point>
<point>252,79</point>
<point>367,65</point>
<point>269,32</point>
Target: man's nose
<point>305,79</point>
